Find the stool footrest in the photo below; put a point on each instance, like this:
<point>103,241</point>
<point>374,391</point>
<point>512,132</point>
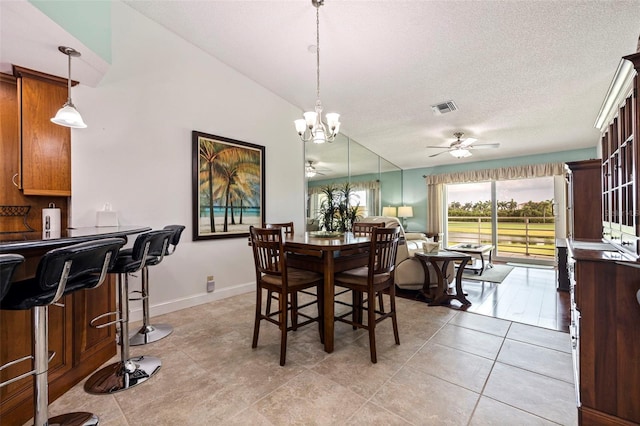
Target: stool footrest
<point>106,324</point>
<point>21,376</point>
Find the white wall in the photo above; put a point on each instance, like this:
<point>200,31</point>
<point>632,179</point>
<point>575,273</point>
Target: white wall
<point>136,153</point>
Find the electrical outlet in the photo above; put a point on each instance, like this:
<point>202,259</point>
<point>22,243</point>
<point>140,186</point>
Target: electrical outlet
<point>211,284</point>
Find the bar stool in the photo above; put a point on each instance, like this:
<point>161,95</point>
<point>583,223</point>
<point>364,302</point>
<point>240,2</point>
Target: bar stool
<point>8,264</point>
<point>128,372</point>
<point>149,333</point>
<point>60,272</point>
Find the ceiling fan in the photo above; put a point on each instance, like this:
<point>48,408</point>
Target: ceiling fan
<point>462,148</point>
<point>310,170</point>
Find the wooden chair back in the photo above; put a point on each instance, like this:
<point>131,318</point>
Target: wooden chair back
<point>363,229</point>
<point>268,253</point>
<point>287,226</point>
<point>384,248</point>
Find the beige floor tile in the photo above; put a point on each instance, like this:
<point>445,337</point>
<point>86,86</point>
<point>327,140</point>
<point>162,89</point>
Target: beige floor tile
<point>551,339</point>
<point>472,341</point>
<point>353,369</point>
<point>543,396</point>
<point>548,362</point>
<point>453,365</point>
<point>426,400</point>
<point>372,415</point>
<point>490,412</point>
<point>309,398</point>
<point>211,375</point>
<point>482,323</point>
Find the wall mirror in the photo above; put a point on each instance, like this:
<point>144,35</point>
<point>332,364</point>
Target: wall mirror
<point>375,181</point>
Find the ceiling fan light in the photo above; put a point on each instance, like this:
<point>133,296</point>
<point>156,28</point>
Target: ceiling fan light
<point>460,153</point>
<point>309,172</point>
<point>68,116</point>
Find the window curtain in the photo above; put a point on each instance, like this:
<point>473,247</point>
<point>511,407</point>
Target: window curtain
<point>435,185</point>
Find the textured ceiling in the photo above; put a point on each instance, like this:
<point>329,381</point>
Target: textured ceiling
<point>530,75</point>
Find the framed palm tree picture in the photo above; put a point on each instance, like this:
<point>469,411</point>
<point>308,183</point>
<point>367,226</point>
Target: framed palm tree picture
<point>228,186</point>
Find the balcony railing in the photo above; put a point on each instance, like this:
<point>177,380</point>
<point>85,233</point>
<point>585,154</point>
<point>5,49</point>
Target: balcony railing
<point>517,236</point>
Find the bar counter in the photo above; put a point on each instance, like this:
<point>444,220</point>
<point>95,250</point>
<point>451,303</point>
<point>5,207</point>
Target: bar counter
<point>18,241</point>
<point>80,349</point>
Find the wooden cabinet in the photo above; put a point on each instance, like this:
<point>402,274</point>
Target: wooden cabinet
<point>609,339</point>
<point>45,148</point>
<point>618,122</point>
<point>584,199</point>
<point>12,198</point>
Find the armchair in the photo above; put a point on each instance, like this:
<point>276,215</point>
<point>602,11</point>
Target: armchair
<point>409,274</point>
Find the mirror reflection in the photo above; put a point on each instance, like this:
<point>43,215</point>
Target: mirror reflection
<point>373,181</point>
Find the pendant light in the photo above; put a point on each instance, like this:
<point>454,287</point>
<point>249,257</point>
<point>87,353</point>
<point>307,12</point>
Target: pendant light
<point>68,115</point>
<point>312,127</point>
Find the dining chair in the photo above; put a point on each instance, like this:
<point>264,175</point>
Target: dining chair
<point>363,229</point>
<point>288,228</point>
<point>273,275</point>
<point>373,280</point>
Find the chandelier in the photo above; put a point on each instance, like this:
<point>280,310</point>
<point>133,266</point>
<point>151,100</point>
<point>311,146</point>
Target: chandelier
<point>312,127</point>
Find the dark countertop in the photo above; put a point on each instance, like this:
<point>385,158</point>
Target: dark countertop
<point>17,242</point>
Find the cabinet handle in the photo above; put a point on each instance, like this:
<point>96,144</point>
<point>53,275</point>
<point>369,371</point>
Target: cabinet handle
<point>13,179</point>
<point>638,296</point>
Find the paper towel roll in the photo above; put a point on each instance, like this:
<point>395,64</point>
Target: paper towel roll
<point>51,222</point>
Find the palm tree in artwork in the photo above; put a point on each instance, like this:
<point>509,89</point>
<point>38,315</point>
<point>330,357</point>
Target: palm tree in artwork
<point>238,172</point>
<point>212,153</point>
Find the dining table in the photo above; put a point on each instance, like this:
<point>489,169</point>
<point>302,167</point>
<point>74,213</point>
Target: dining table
<point>327,253</point>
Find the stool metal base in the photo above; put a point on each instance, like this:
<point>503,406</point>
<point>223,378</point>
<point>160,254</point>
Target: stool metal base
<point>74,419</point>
<point>120,376</point>
<point>150,333</point>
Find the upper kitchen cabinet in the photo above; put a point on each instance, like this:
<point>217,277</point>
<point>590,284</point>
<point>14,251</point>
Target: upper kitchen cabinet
<point>45,148</point>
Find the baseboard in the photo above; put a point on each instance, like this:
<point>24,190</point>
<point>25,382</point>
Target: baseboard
<point>191,301</point>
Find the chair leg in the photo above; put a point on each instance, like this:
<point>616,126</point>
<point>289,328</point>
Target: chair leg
<point>381,302</point>
<point>283,327</point>
<point>371,325</point>
<point>356,301</point>
<point>394,321</point>
<point>294,311</point>
<point>148,333</point>
<point>256,324</point>
<point>269,296</point>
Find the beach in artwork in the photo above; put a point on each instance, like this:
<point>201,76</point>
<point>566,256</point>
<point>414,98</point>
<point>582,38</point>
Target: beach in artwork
<point>248,218</point>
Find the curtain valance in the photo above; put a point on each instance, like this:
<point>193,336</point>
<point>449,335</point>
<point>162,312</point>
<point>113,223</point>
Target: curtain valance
<point>504,173</point>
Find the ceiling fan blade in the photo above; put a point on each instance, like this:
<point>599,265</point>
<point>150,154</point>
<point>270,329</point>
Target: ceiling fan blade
<point>486,145</point>
<point>438,153</point>
<point>467,142</point>
<point>440,147</point>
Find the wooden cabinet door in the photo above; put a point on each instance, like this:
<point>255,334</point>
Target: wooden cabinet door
<point>45,147</point>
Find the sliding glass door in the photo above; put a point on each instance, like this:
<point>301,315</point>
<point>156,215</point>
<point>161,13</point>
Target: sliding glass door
<point>516,216</point>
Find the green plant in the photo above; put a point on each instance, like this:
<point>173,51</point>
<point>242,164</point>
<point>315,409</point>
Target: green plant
<point>336,212</point>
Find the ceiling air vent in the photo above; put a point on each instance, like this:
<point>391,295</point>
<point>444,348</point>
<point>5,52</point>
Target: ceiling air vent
<point>444,107</point>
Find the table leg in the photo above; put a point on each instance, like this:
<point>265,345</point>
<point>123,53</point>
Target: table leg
<point>442,295</point>
<point>426,287</point>
<point>329,296</point>
<point>481,264</point>
<point>459,293</point>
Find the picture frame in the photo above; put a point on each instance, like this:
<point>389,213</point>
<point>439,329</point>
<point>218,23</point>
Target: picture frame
<point>228,178</point>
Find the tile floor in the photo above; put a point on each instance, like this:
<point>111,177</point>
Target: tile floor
<point>452,367</point>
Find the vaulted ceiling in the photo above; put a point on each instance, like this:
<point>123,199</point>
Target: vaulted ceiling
<point>530,76</point>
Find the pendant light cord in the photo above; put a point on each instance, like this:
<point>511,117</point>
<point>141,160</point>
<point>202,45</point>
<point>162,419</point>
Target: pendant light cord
<point>318,51</point>
<point>69,81</point>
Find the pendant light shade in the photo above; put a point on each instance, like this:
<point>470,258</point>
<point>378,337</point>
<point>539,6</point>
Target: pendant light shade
<point>68,115</point>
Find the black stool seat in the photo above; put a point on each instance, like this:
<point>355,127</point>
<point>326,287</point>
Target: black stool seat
<point>150,333</point>
<point>60,271</point>
<point>8,264</point>
<point>128,372</point>
<point>85,262</point>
